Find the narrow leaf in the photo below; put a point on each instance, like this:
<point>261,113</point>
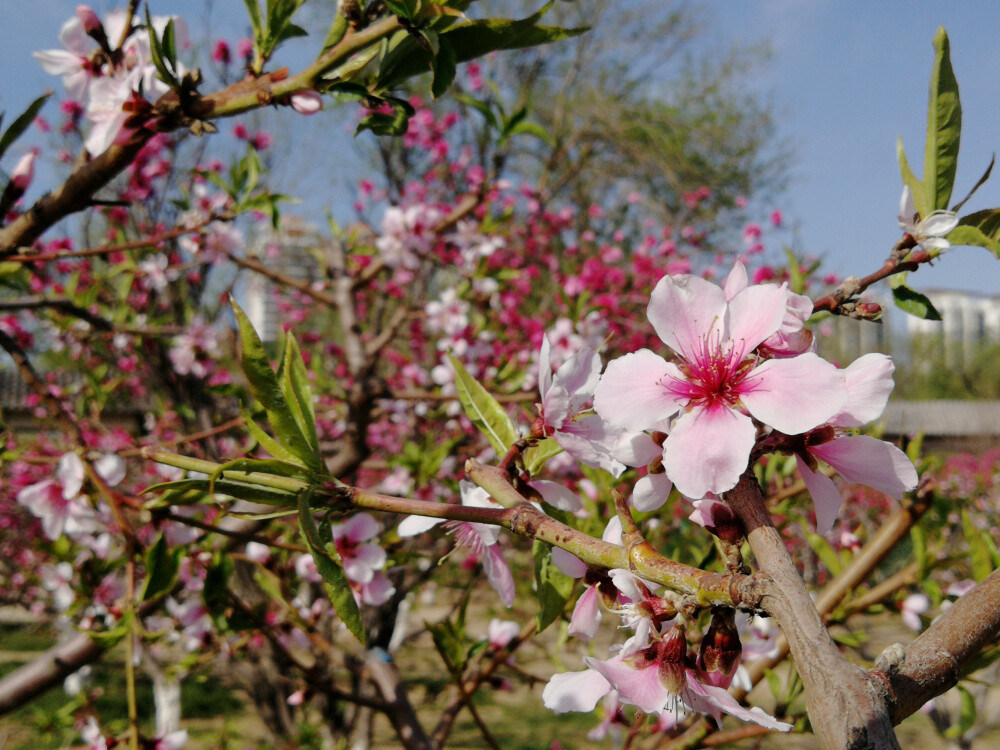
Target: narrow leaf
<point>552,587</point>
<point>979,183</point>
<point>944,128</point>
<point>162,565</point>
<point>265,388</point>
<point>21,124</point>
<point>981,228</point>
<point>909,179</point>
<point>329,566</point>
<point>980,559</point>
<point>825,551</point>
<point>914,303</point>
<point>445,68</point>
<point>294,379</point>
<point>483,410</point>
<point>536,456</point>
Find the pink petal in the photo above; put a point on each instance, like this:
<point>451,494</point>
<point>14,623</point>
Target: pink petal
<point>586,617</point>
<point>639,687</point>
<point>825,496</point>
<point>736,281</point>
<point>557,495</point>
<point>636,449</point>
<point>707,699</point>
<point>708,449</point>
<point>575,691</point>
<point>580,373</point>
<point>651,492</point>
<point>545,367</point>
<point>869,383</point>
<point>630,394</point>
<point>568,563</point>
<point>590,440</point>
<point>361,566</point>
<point>613,531</point>
<point>684,309</point>
<point>70,473</point>
<point>358,528</point>
<point>794,395</point>
<point>756,313</point>
<point>377,591</point>
<point>414,525</point>
<point>110,468</point>
<point>307,102</point>
<point>869,461</point>
<point>499,574</point>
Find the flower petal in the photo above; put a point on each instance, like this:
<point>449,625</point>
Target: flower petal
<point>575,691</point>
<point>636,449</point>
<point>557,495</point>
<point>794,395</point>
<point>736,281</point>
<point>869,461</point>
<point>684,310</point>
<point>756,313</point>
<point>651,492</point>
<point>586,617</point>
<point>869,382</point>
<point>707,699</point>
<point>568,563</point>
<point>825,495</point>
<point>639,687</point>
<point>630,394</point>
<point>498,573</point>
<point>708,449</point>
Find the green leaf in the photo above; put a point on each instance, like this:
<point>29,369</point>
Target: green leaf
<point>532,128</point>
<point>914,303</point>
<point>482,107</point>
<point>407,9</point>
<point>215,591</point>
<point>337,30</point>
<point>445,67</point>
<point>385,124</point>
<point>483,410</point>
<point>162,565</point>
<point>256,20</point>
<point>239,490</point>
<point>269,444</point>
<point>944,128</point>
<point>329,566</point>
<point>266,389</point>
<point>552,587</point>
<point>448,644</point>
<point>979,183</point>
<point>909,179</point>
<point>472,40</point>
<point>919,537</point>
<point>21,124</point>
<point>536,456</point>
<point>156,52</point>
<point>294,380</point>
<point>111,638</point>
<point>980,559</point>
<point>825,551</point>
<point>966,714</point>
<point>981,228</point>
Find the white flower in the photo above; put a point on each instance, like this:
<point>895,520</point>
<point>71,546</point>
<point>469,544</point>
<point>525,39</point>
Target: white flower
<point>929,233</point>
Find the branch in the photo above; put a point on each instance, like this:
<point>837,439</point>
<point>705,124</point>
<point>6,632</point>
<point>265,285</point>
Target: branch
<point>64,306</point>
<point>934,661</point>
<point>844,706</point>
<point>853,286</point>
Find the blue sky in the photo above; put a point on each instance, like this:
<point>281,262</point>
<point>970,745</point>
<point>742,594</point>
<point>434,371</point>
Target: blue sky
<point>846,79</point>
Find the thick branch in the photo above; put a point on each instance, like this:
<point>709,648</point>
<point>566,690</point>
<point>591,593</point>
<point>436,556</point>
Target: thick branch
<point>844,707</point>
<point>935,660</point>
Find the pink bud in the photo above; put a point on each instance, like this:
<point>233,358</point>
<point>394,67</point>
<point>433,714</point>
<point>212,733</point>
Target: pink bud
<point>24,171</point>
<point>90,20</point>
<point>220,53</point>
<point>307,102</point>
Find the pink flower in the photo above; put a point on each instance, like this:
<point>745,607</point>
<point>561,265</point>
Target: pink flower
<point>913,606</point>
<point>716,382</point>
<point>360,559</point>
<point>221,53</point>
<point>72,63</point>
<point>24,171</point>
<point>501,632</point>
<point>564,399</point>
<point>481,539</point>
<point>861,459</point>
<point>59,503</point>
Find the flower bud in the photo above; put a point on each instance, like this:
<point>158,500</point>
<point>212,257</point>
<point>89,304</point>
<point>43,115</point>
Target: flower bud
<point>869,310</point>
<point>307,102</point>
<point>718,518</point>
<point>720,648</point>
<point>90,20</point>
<point>24,171</point>
<point>672,653</point>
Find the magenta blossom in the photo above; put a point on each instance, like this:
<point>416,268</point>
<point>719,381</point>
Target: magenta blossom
<point>718,382</point>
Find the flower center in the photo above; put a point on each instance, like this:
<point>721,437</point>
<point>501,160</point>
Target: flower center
<point>713,373</point>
